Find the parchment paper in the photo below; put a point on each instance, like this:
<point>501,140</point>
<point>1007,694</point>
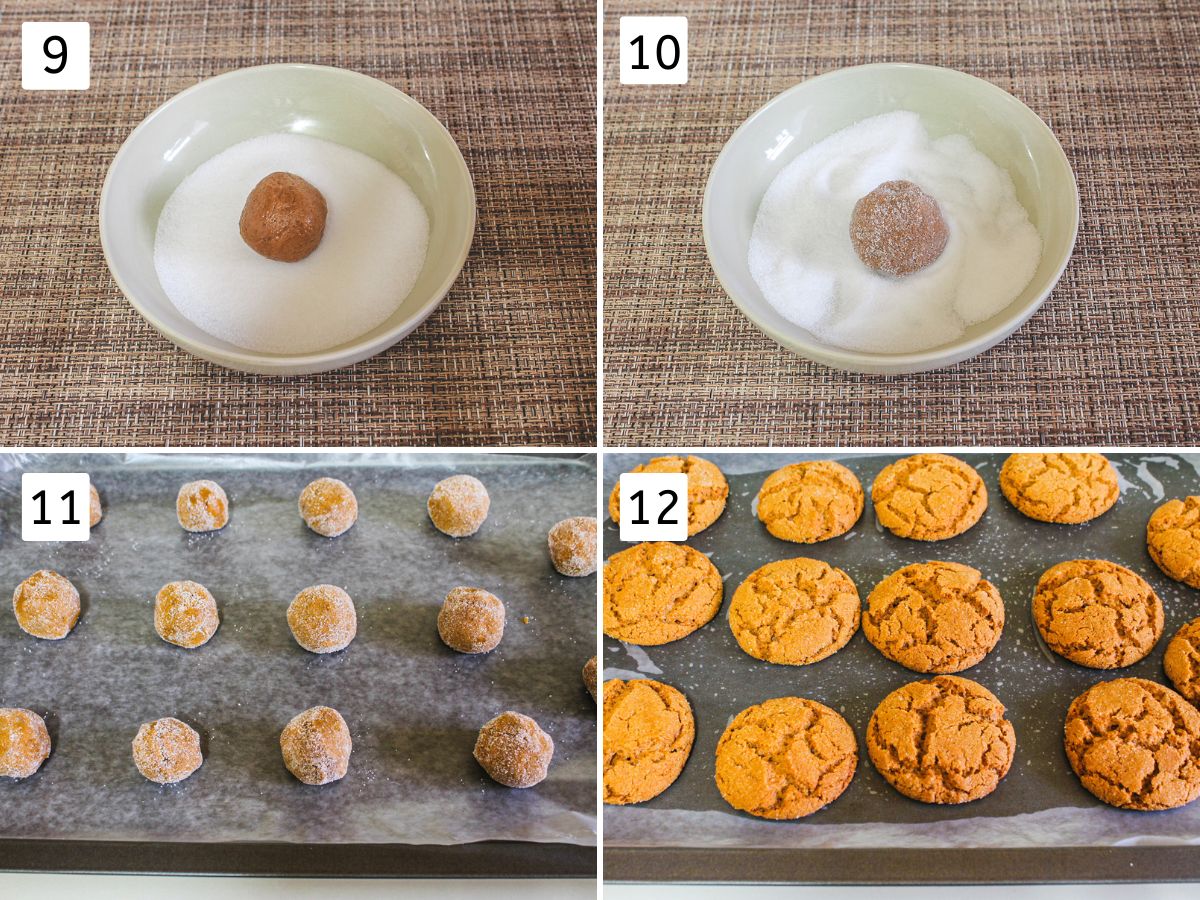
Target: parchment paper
<point>1040,802</point>
<point>413,706</point>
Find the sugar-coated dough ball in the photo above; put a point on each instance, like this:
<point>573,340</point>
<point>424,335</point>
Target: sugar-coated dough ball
<point>322,619</point>
<point>95,510</point>
<point>514,751</point>
<point>24,743</point>
<point>573,546</point>
<point>898,229</point>
<point>284,218</point>
<point>167,751</point>
<point>46,605</point>
<point>458,505</point>
<point>316,746</point>
<point>202,506</point>
<point>328,507</point>
<point>185,614</point>
<point>589,676</point>
<point>471,620</point>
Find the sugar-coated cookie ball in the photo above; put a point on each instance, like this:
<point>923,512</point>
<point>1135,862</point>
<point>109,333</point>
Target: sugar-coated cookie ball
<point>46,605</point>
<point>471,620</point>
<point>458,505</point>
<point>316,746</point>
<point>573,546</point>
<point>95,510</point>
<point>322,619</point>
<point>328,507</point>
<point>202,506</point>
<point>167,751</point>
<point>898,229</point>
<point>24,743</point>
<point>514,751</point>
<point>590,676</point>
<point>185,614</point>
<point>284,218</point>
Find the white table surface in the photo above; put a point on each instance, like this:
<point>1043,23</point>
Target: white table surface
<point>134,887</point>
<point>1032,892</point>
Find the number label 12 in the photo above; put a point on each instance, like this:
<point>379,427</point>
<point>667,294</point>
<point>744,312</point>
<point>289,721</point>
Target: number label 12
<point>653,506</point>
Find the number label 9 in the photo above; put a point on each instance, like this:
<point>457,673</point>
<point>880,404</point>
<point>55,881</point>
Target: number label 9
<point>56,56</point>
<point>654,506</point>
<point>654,49</point>
<point>55,506</point>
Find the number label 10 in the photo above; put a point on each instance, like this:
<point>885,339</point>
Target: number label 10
<point>654,506</point>
<point>654,49</point>
<point>55,506</point>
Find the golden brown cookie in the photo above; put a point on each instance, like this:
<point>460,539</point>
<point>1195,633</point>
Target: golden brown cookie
<point>1064,488</point>
<point>935,617</point>
<point>1097,613</point>
<point>659,592</point>
<point>1135,744</point>
<point>648,734</point>
<point>167,751</point>
<point>810,501</point>
<point>24,742</point>
<point>785,758</point>
<point>944,740</point>
<point>1182,660</point>
<point>928,497</point>
<point>707,489</point>
<point>1173,539</point>
<point>795,611</point>
<point>46,605</point>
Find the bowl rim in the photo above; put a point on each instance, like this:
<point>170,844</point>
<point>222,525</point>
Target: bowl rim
<point>890,363</point>
<point>325,360</point>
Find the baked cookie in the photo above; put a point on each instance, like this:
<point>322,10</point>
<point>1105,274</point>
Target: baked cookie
<point>648,734</point>
<point>934,617</point>
<point>1064,488</point>
<point>1097,613</point>
<point>167,751</point>
<point>928,497</point>
<point>24,742</point>
<point>795,611</point>
<point>46,605</point>
<point>1135,744</point>
<point>1182,660</point>
<point>785,758</point>
<point>659,592</point>
<point>944,740</point>
<point>1173,539</point>
<point>707,489</point>
<point>810,501</point>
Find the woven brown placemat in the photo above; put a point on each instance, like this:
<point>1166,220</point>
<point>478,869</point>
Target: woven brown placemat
<point>1112,357</point>
<point>509,356</point>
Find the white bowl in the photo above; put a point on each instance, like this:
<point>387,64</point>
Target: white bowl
<point>335,104</point>
<point>948,102</point>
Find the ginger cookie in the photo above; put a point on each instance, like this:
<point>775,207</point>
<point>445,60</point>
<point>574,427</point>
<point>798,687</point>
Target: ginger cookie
<point>1135,744</point>
<point>659,592</point>
<point>898,229</point>
<point>934,617</point>
<point>167,751</point>
<point>648,734</point>
<point>1173,539</point>
<point>944,740</point>
<point>458,506</point>
<point>185,614</point>
<point>785,758</point>
<point>707,489</point>
<point>328,507</point>
<point>46,605</point>
<point>514,750</point>
<point>95,509</point>
<point>202,506</point>
<point>810,501</point>
<point>1064,488</point>
<point>928,497</point>
<point>316,746</point>
<point>572,546</point>
<point>1097,613</point>
<point>1182,660</point>
<point>795,611</point>
<point>24,742</point>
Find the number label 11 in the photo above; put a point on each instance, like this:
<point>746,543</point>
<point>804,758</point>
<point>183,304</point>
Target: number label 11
<point>55,506</point>
<point>654,49</point>
<point>654,506</point>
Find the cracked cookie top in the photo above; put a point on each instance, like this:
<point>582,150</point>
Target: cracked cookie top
<point>648,734</point>
<point>1182,660</point>
<point>1064,488</point>
<point>928,497</point>
<point>1173,539</point>
<point>707,489</point>
<point>659,592</point>
<point>810,501</point>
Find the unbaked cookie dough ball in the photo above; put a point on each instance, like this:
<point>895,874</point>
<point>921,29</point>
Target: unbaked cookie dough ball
<point>316,746</point>
<point>46,605</point>
<point>514,751</point>
<point>589,676</point>
<point>573,546</point>
<point>167,751</point>
<point>458,505</point>
<point>24,742</point>
<point>328,507</point>
<point>185,614</point>
<point>322,619</point>
<point>284,218</point>
<point>898,229</point>
<point>202,506</point>
<point>471,620</point>
<point>95,510</point>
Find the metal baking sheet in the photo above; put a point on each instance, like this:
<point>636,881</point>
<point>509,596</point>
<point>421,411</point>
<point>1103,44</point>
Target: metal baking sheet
<point>1039,808</point>
<point>413,706</point>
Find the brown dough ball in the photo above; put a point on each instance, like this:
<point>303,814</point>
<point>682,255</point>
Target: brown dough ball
<point>202,506</point>
<point>898,229</point>
<point>24,743</point>
<point>95,510</point>
<point>185,614</point>
<point>284,218</point>
<point>514,751</point>
<point>589,676</point>
<point>167,751</point>
<point>322,619</point>
<point>458,505</point>
<point>46,605</point>
<point>573,546</point>
<point>328,507</point>
<point>471,620</point>
<point>316,746</point>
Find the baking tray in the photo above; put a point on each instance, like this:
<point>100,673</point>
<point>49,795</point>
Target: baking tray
<point>414,802</point>
<point>1040,825</point>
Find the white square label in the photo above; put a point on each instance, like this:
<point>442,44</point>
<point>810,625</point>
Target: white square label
<point>654,506</point>
<point>55,506</point>
<point>56,56</point>
<point>654,50</point>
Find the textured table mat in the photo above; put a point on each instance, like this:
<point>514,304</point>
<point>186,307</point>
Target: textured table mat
<point>509,356</point>
<point>1113,355</point>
